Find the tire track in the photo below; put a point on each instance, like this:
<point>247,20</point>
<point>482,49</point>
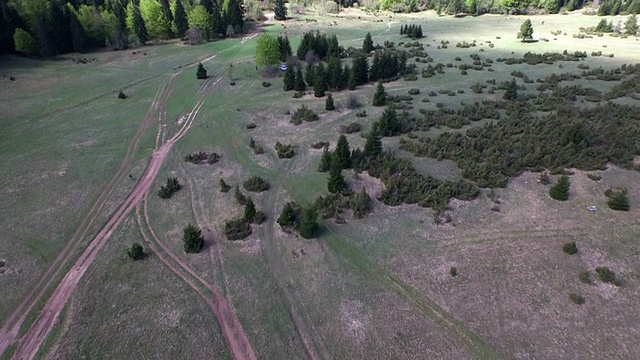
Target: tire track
<point>11,327</point>
<point>34,337</point>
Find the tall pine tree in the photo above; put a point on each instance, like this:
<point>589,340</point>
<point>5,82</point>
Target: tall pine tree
<point>280,10</point>
<point>336,183</point>
<point>180,19</point>
<point>343,153</point>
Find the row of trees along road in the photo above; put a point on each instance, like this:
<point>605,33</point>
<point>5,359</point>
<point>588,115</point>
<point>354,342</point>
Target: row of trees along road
<point>50,27</point>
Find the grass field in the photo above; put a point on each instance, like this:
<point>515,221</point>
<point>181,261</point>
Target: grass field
<point>378,287</point>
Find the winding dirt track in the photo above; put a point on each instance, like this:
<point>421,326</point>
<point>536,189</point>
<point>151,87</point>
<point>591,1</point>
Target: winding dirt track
<point>12,325</point>
<point>29,345</point>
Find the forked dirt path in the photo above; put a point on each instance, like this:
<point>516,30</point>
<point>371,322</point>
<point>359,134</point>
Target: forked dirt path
<point>11,327</point>
<point>30,343</point>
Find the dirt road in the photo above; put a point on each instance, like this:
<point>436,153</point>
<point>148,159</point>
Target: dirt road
<point>12,325</point>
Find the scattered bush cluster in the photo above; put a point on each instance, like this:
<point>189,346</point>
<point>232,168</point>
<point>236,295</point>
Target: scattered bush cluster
<point>166,191</point>
<point>202,157</point>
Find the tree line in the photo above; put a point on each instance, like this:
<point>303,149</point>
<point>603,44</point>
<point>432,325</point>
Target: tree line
<point>51,27</point>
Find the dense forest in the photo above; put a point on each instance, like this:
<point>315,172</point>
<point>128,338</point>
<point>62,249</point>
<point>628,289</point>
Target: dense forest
<point>51,27</point>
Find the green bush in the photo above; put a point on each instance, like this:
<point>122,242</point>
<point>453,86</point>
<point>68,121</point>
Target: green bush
<point>135,252</point>
<point>360,204</point>
<point>256,184</point>
<point>237,229</point>
<point>121,95</point>
<point>570,248</point>
<point>605,274</point>
<point>594,177</point>
<point>201,72</point>
<point>576,298</point>
<point>303,114</point>
<point>284,151</point>
<point>290,215</point>
<point>350,129</point>
<point>414,91</point>
<point>585,277</point>
<point>224,187</point>
<point>453,271</point>
<point>202,157</point>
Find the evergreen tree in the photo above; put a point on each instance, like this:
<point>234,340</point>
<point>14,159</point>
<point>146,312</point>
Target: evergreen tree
<point>289,79</point>
<point>285,48</point>
<point>512,91</point>
<point>373,145</point>
<point>249,211</point>
<point>136,252</point>
<point>336,183</point>
<point>287,217</point>
<point>192,239</point>
<point>168,15</point>
<point>201,72</point>
<point>526,31</point>
<point>328,104</point>
<point>619,201</point>
<point>139,28</point>
<point>388,125</point>
<point>299,84</point>
<point>319,82</point>
<point>280,10</point>
<point>380,97</point>
<point>631,25</point>
<point>309,223</point>
<point>334,73</point>
<point>310,75</point>
<point>560,191</point>
<point>232,14</point>
<point>343,153</point>
<point>402,29</point>
<point>344,79</point>
<point>351,85</point>
<point>367,44</point>
<point>360,67</point>
<point>325,160</point>
<point>78,36</point>
<point>180,19</point>
<point>333,47</point>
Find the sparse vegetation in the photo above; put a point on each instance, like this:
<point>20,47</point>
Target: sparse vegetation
<point>256,184</point>
<point>303,114</point>
<point>576,298</point>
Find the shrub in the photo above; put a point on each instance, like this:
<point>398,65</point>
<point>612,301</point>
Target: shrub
<point>594,177</point>
<point>121,95</point>
<point>303,114</point>
<point>320,145</point>
<point>258,150</point>
<point>453,271</point>
<point>328,104</point>
<point>560,191</point>
<point>350,129</point>
<point>192,239</point>
<point>237,229</point>
<point>135,252</point>
<point>256,184</point>
<point>202,157</point>
<point>360,204</point>
<point>224,187</point>
<point>585,277</point>
<point>284,151</point>
<point>362,113</point>
<point>239,196</point>
<point>251,126</point>
<point>576,298</point>
<point>266,84</point>
<point>166,191</point>
<point>605,274</point>
<point>309,223</point>
<point>414,91</point>
<point>618,200</point>
<point>352,102</point>
<point>570,248</point>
